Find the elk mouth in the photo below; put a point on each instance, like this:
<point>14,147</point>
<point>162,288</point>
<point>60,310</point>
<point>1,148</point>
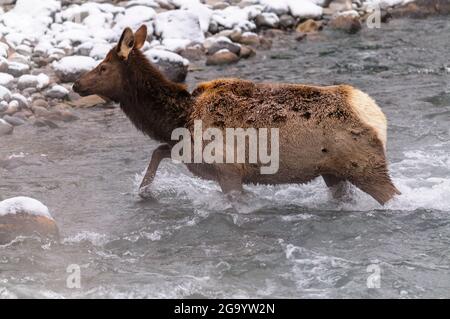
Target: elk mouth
<point>79,90</point>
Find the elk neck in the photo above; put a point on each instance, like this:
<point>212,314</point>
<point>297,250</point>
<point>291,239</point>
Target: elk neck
<point>154,104</point>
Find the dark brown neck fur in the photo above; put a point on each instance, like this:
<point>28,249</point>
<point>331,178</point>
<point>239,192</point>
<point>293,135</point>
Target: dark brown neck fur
<point>155,105</point>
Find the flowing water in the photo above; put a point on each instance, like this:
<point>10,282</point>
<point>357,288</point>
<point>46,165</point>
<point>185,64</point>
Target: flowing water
<point>287,241</point>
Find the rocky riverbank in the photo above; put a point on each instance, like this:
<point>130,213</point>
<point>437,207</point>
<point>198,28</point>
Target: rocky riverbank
<point>45,45</point>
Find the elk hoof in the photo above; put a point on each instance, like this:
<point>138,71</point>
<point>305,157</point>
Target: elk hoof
<point>145,192</point>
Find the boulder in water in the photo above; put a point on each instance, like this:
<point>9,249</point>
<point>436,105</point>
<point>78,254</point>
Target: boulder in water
<point>24,216</point>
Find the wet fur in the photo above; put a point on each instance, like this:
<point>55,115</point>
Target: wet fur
<point>337,132</point>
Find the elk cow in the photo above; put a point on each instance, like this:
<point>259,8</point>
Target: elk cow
<point>336,132</point>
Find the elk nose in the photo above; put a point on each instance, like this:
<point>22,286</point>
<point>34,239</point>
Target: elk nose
<point>76,86</point>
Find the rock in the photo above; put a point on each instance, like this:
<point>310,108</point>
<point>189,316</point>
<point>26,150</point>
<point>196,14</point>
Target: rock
<point>309,26</point>
<point>174,66</point>
<point>286,21</point>
<point>6,80</point>
<point>337,6</point>
<point>247,52</point>
<point>20,99</point>
<point>222,57</point>
<point>422,9</point>
<point>24,50</point>
<point>70,68</point>
<point>194,53</point>
<point>88,101</point>
<point>219,5</point>
<point>249,38</point>
<point>3,64</point>
<point>267,19</point>
<point>3,107</point>
<point>221,43</point>
<point>40,103</point>
<point>13,107</point>
<point>5,94</point>
<point>35,81</point>
<point>348,23</point>
<point>5,128</point>
<point>14,120</point>
<point>23,216</point>
<point>57,92</point>
<point>17,69</point>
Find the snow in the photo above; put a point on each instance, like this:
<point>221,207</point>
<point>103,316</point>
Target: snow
<point>31,18</point>
<point>233,16</point>
<point>75,64</point>
<point>38,81</point>
<point>5,94</point>
<point>6,79</point>
<point>179,25</point>
<point>203,13</point>
<point>134,17</point>
<point>304,9</point>
<point>25,205</point>
<point>276,6</point>
<point>372,4</point>
<point>155,55</point>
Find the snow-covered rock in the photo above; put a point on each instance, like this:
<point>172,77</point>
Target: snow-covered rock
<point>6,80</point>
<point>24,216</point>
<point>174,66</point>
<point>134,17</point>
<point>30,18</point>
<point>178,28</point>
<point>304,9</point>
<point>57,92</point>
<point>370,5</point>
<point>17,69</point>
<point>36,81</point>
<point>21,100</point>
<point>278,7</point>
<point>267,19</point>
<point>24,205</point>
<point>202,11</point>
<point>5,94</point>
<point>70,68</point>
<point>236,17</point>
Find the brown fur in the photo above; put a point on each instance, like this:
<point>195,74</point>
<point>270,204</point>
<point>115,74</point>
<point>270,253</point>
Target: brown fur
<point>321,134</point>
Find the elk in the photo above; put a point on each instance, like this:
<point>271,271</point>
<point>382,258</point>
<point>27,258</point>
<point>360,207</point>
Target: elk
<point>336,132</point>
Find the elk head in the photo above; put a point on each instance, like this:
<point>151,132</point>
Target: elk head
<point>107,79</point>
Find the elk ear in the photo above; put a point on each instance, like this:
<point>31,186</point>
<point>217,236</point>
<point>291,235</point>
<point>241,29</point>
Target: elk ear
<point>140,36</point>
<point>126,44</point>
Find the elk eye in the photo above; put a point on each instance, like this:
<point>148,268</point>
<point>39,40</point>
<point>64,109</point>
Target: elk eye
<point>102,69</point>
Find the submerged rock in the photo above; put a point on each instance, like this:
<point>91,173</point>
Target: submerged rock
<point>23,216</point>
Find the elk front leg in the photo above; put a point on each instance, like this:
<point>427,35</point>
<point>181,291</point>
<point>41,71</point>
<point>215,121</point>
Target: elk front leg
<point>337,186</point>
<point>229,178</point>
<point>162,152</point>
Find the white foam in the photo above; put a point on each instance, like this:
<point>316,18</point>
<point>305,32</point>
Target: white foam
<point>422,177</point>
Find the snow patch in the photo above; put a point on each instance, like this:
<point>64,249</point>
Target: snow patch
<point>25,205</point>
